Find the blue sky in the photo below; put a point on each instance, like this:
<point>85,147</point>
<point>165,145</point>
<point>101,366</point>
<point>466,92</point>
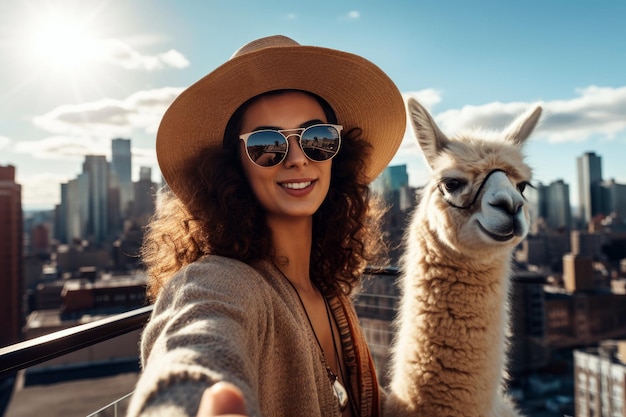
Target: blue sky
<point>75,74</point>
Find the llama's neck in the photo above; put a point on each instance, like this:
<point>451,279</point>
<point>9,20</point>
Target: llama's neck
<point>450,347</point>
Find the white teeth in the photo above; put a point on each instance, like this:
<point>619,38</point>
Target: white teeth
<point>296,185</point>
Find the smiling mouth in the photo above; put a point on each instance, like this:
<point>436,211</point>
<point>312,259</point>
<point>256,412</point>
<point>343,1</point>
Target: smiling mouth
<point>296,185</point>
<point>496,237</point>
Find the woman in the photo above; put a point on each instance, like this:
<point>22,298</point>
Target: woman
<point>254,253</point>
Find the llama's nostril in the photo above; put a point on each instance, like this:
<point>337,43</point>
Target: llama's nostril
<point>507,205</point>
<point>504,206</point>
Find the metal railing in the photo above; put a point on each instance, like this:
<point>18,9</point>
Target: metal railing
<point>40,349</point>
<point>115,409</point>
<point>34,351</point>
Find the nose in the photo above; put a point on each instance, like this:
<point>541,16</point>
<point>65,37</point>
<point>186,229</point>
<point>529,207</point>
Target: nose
<point>295,155</point>
<point>502,195</point>
<point>507,202</point>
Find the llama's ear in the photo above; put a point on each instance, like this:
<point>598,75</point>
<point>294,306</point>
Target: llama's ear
<point>520,129</point>
<point>430,138</point>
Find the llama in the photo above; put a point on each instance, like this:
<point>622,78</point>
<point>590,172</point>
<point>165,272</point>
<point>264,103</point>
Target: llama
<point>449,356</point>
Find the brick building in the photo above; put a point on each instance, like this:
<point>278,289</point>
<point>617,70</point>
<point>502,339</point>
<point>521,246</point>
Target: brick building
<point>600,380</point>
<point>11,249</point>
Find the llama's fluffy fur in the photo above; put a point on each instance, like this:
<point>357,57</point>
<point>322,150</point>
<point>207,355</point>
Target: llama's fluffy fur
<point>449,356</point>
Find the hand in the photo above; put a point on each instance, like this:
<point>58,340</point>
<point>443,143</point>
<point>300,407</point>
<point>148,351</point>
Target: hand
<point>222,399</point>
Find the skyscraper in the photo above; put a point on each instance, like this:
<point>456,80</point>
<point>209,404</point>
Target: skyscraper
<point>75,207</point>
<point>395,183</point>
<point>121,159</point>
<point>395,177</point>
<point>60,217</point>
<point>11,247</point>
<point>144,196</point>
<point>615,198</point>
<point>558,214</point>
<point>121,167</point>
<point>537,204</point>
<point>589,178</point>
<point>96,167</point>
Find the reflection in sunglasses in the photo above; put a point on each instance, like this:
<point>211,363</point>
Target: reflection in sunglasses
<point>268,148</point>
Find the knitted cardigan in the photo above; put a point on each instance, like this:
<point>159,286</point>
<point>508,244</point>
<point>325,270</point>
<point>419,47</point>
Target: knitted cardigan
<point>219,319</point>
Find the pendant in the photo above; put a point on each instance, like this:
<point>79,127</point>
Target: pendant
<point>341,394</point>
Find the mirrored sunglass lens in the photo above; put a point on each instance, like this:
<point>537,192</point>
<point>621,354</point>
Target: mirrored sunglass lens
<point>320,142</point>
<point>266,148</point>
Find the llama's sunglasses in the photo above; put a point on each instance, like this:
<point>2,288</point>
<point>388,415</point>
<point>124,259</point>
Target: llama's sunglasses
<point>269,147</point>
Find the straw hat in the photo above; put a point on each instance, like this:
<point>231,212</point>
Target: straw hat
<point>359,92</point>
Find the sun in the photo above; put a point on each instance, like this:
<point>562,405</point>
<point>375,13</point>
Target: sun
<point>62,41</point>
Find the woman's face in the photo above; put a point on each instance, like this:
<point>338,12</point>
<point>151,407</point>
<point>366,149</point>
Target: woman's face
<point>297,186</point>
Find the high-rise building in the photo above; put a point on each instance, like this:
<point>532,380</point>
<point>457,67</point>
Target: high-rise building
<point>616,198</point>
<point>394,184</point>
<point>558,211</point>
<point>145,190</point>
<point>587,244</point>
<point>536,201</point>
<point>73,211</point>
<point>577,273</point>
<point>527,304</point>
<point>96,167</point>
<point>395,177</point>
<point>600,380</point>
<point>11,251</point>
<point>589,179</point>
<point>549,207</point>
<point>60,225</point>
<point>121,169</point>
<point>76,205</point>
<point>121,159</point>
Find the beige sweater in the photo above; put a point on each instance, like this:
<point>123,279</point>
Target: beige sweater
<point>222,320</point>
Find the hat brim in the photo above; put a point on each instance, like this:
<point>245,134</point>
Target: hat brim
<point>359,92</point>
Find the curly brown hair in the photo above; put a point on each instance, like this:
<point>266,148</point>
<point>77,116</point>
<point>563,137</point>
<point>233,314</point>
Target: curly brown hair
<point>224,218</point>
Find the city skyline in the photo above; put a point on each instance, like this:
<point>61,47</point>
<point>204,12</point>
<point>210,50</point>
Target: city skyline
<point>574,203</point>
<point>76,75</point>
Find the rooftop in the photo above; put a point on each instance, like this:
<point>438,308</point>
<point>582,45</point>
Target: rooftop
<point>60,399</point>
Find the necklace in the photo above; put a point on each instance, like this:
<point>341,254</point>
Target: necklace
<point>340,392</point>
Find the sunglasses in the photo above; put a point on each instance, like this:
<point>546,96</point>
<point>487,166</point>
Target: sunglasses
<point>268,147</point>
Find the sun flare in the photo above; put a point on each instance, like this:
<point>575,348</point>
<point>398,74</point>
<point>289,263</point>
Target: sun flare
<point>62,41</point>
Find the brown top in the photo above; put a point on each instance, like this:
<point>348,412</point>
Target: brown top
<point>222,320</point>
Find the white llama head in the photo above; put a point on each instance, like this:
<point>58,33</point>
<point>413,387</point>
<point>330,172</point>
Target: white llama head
<point>474,201</point>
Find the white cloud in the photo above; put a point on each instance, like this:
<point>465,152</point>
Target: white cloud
<point>109,117</point>
<point>174,59</point>
<point>73,131</point>
<point>428,98</point>
<point>4,142</point>
<point>87,128</point>
<point>596,111</point>
<point>490,116</point>
<point>409,152</point>
<point>63,147</point>
<point>119,53</point>
<point>354,14</point>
